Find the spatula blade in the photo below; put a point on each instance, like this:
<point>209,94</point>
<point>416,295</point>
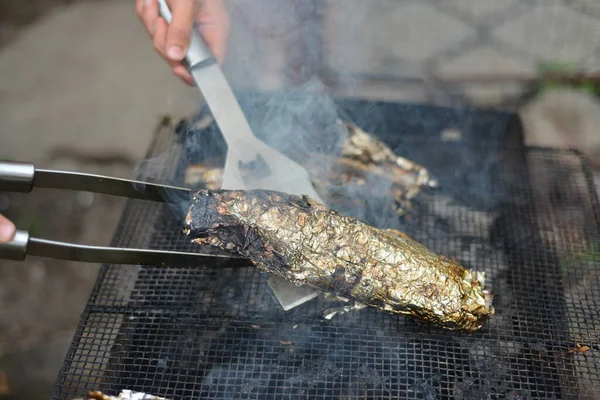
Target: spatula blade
<point>233,123</point>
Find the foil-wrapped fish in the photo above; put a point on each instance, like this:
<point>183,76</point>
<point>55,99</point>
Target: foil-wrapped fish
<point>347,181</point>
<point>307,243</point>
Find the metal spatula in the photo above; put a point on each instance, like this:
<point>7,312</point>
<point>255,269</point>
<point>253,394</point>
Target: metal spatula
<point>250,163</point>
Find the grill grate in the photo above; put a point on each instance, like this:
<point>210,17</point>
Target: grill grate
<point>528,217</point>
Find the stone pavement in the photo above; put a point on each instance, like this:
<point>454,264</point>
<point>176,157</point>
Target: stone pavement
<point>86,77</point>
<point>400,49</point>
<point>71,81</point>
<point>461,38</point>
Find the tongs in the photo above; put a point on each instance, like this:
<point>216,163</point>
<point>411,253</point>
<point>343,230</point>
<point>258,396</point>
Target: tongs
<point>23,177</point>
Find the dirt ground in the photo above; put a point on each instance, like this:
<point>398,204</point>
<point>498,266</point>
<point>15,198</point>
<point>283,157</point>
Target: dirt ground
<point>16,14</point>
<point>41,299</point>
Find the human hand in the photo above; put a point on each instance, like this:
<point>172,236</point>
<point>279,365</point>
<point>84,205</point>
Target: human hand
<point>7,230</point>
<point>171,41</point>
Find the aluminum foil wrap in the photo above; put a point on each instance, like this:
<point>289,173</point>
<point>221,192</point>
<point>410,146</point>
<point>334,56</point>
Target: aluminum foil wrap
<point>307,243</point>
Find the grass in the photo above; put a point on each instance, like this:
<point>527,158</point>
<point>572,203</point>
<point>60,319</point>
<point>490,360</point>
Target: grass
<point>549,70</point>
<point>589,258</point>
<point>32,224</point>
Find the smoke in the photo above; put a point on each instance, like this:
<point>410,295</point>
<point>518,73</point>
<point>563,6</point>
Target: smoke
<point>160,169</point>
<point>300,122</point>
<point>280,48</point>
<point>280,41</point>
<point>308,361</point>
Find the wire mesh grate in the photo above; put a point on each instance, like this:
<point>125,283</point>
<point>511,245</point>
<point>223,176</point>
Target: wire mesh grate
<point>531,225</point>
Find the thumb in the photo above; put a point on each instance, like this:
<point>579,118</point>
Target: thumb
<point>180,29</point>
<point>7,230</point>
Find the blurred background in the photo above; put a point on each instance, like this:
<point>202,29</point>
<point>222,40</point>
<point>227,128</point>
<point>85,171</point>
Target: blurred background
<point>81,89</point>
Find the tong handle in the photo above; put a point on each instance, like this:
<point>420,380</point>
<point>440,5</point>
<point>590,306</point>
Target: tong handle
<point>23,177</point>
<point>17,248</point>
<point>16,176</point>
<point>198,53</point>
<point>23,245</point>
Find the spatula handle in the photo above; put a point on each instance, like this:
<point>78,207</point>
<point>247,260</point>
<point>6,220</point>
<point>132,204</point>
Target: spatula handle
<point>198,52</point>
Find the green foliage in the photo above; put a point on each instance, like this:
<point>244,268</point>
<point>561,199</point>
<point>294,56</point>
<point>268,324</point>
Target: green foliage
<point>550,69</point>
<point>590,258</point>
<point>31,224</point>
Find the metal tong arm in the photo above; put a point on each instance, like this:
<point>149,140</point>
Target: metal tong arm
<point>23,177</point>
<point>23,245</point>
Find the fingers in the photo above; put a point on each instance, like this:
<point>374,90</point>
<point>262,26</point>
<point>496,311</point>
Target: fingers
<point>159,39</point>
<point>215,25</point>
<point>171,41</point>
<point>180,30</point>
<point>7,230</point>
<point>147,11</point>
<point>181,72</point>
<point>159,42</point>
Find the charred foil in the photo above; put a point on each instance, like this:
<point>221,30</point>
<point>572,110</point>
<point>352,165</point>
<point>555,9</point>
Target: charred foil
<point>307,243</point>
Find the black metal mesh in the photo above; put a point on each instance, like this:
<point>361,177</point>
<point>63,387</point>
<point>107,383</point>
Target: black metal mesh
<point>525,216</point>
